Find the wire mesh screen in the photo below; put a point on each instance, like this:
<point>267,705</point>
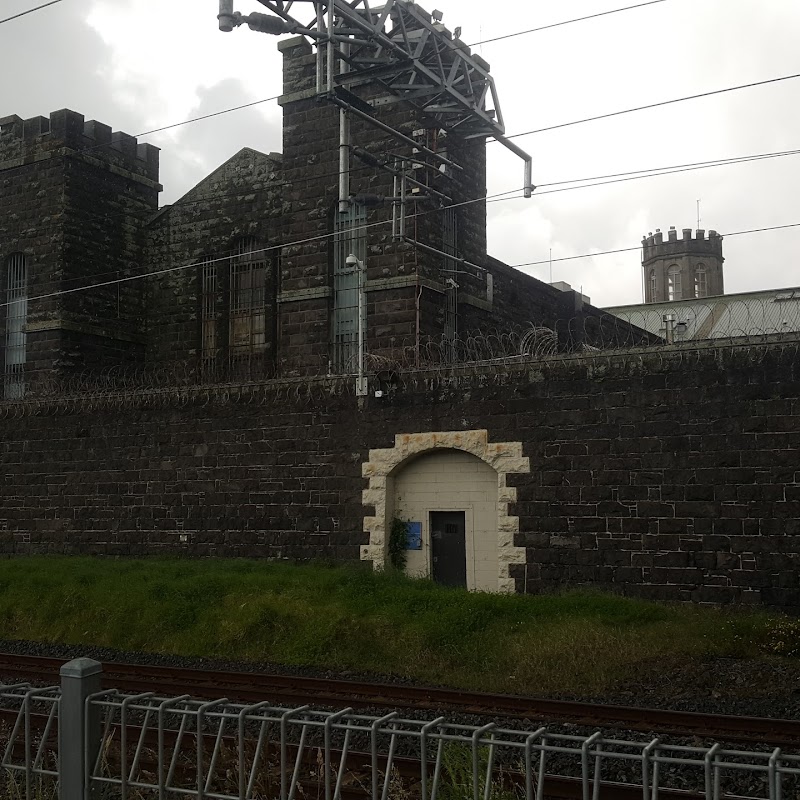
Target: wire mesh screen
<point>350,239</point>
<point>16,313</point>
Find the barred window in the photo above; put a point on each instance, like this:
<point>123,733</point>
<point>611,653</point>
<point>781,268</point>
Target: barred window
<point>247,318</point>
<point>209,311</point>
<point>653,286</point>
<point>233,314</point>
<point>674,284</point>
<point>16,312</point>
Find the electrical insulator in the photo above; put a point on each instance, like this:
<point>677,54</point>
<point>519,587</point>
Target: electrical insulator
<point>264,23</point>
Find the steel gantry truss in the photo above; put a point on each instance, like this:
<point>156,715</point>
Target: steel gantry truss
<point>400,48</point>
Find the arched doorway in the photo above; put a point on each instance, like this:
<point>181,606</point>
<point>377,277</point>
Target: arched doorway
<point>451,498</point>
<point>448,479</point>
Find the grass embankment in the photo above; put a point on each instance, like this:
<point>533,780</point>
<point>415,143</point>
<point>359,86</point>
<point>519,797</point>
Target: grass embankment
<point>350,618</point>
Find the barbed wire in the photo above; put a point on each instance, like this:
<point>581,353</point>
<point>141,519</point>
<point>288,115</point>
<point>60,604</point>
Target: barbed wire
<point>599,341</point>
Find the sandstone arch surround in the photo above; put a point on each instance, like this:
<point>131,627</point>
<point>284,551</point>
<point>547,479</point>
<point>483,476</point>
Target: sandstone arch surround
<point>504,457</point>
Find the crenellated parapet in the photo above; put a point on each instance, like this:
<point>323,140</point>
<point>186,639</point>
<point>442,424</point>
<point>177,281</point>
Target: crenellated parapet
<point>74,201</point>
<point>39,137</point>
<point>682,267</point>
<point>654,246</point>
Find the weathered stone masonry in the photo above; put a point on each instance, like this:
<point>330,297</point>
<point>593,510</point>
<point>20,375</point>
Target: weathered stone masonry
<point>671,473</point>
<point>74,197</point>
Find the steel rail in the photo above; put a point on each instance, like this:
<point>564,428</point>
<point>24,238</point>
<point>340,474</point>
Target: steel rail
<point>328,692</point>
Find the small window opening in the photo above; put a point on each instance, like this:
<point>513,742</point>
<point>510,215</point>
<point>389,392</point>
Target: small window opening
<point>674,284</point>
<point>16,315</point>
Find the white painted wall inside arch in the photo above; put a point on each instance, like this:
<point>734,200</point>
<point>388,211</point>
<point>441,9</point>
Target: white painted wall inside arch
<point>384,464</point>
<point>452,480</point>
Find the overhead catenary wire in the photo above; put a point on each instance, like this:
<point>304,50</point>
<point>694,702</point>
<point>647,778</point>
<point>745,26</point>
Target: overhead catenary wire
<point>581,121</point>
<point>168,127</point>
<point>647,172</point>
<point>221,112</point>
<point>655,171</point>
<point>501,196</point>
<point>207,116</point>
<point>216,260</point>
<point>320,237</point>
<point>511,194</point>
<point>29,11</point>
<point>656,105</point>
<point>507,195</point>
<point>565,22</point>
<point>639,247</point>
<point>641,174</point>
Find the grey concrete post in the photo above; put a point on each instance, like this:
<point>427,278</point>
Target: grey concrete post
<point>78,732</point>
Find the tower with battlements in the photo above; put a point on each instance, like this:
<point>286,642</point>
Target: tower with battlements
<point>74,199</point>
<point>682,268</point>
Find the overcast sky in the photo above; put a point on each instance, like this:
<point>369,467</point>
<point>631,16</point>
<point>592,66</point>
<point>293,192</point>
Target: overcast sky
<point>141,64</point>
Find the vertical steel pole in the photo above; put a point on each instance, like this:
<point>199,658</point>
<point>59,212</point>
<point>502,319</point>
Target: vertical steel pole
<point>361,383</point>
<point>226,18</point>
<point>319,49</point>
<point>344,147</point>
<point>344,162</point>
<point>78,726</point>
<point>344,121</point>
<point>331,54</point>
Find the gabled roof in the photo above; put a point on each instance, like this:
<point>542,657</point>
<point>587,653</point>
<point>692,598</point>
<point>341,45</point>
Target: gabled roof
<point>730,315</point>
<point>231,169</point>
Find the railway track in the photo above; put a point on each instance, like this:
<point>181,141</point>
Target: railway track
<point>295,690</point>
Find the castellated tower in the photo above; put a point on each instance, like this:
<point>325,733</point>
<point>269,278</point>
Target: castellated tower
<point>74,197</point>
<point>682,269</point>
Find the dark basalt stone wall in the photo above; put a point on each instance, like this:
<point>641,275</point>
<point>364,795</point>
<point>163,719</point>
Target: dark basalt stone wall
<point>671,473</point>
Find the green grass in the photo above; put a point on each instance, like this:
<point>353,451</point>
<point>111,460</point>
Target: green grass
<point>351,618</point>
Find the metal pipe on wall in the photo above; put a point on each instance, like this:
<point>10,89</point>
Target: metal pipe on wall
<point>331,50</point>
<point>361,383</point>
<point>320,54</point>
<point>391,131</point>
<point>225,16</point>
<point>344,119</point>
<point>518,151</point>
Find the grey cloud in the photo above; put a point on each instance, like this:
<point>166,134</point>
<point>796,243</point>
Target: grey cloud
<point>201,147</point>
<point>53,60</point>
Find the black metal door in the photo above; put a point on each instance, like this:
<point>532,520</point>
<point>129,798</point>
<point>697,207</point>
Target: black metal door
<point>449,547</point>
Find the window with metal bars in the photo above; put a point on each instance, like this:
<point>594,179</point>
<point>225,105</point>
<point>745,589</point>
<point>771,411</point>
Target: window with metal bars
<point>451,274</point>
<point>247,311</point>
<point>209,312</point>
<point>233,304</point>
<point>350,237</point>
<point>14,340</point>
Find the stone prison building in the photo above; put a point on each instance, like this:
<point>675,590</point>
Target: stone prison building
<point>188,380</point>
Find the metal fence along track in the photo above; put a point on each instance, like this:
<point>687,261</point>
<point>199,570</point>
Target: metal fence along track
<point>148,745</point>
